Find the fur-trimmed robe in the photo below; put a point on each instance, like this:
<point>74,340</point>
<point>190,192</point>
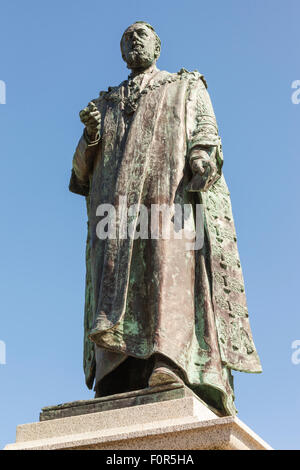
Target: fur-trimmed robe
<point>153,295</point>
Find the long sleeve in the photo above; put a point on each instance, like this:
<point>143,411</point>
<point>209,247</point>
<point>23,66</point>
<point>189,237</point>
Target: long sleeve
<point>201,124</point>
<point>84,158</point>
<point>82,165</point>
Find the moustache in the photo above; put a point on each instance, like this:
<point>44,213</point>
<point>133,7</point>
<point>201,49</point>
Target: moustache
<point>137,45</point>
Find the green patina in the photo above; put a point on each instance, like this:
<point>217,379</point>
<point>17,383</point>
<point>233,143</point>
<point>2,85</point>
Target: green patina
<point>154,139</point>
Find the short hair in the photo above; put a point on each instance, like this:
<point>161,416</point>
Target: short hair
<point>157,38</point>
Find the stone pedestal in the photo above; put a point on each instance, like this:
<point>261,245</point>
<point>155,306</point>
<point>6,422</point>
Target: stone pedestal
<point>161,418</point>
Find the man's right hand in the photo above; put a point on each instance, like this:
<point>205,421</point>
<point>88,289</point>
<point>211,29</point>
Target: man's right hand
<point>90,117</point>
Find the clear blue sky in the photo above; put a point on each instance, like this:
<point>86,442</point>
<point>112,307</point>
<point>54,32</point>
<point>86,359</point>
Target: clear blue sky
<point>55,57</point>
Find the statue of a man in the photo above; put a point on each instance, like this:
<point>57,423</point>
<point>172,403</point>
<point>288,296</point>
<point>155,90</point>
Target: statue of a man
<point>158,310</point>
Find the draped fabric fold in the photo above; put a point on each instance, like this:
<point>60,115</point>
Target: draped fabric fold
<point>155,295</point>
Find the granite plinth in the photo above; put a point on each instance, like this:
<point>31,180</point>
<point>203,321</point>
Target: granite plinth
<point>183,422</point>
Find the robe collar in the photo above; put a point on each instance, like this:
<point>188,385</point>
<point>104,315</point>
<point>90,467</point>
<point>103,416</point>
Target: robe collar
<point>136,76</point>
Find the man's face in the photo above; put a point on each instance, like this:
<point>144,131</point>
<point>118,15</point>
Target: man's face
<point>139,47</point>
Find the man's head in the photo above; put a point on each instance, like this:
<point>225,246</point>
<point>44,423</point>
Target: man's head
<point>140,45</point>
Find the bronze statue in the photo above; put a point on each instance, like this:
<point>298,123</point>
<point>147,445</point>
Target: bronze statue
<point>157,310</point>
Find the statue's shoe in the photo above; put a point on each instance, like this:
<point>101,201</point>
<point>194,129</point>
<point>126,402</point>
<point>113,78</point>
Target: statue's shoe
<point>163,375</point>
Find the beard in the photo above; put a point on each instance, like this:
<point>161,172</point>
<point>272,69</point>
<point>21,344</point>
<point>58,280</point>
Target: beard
<point>139,58</point>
